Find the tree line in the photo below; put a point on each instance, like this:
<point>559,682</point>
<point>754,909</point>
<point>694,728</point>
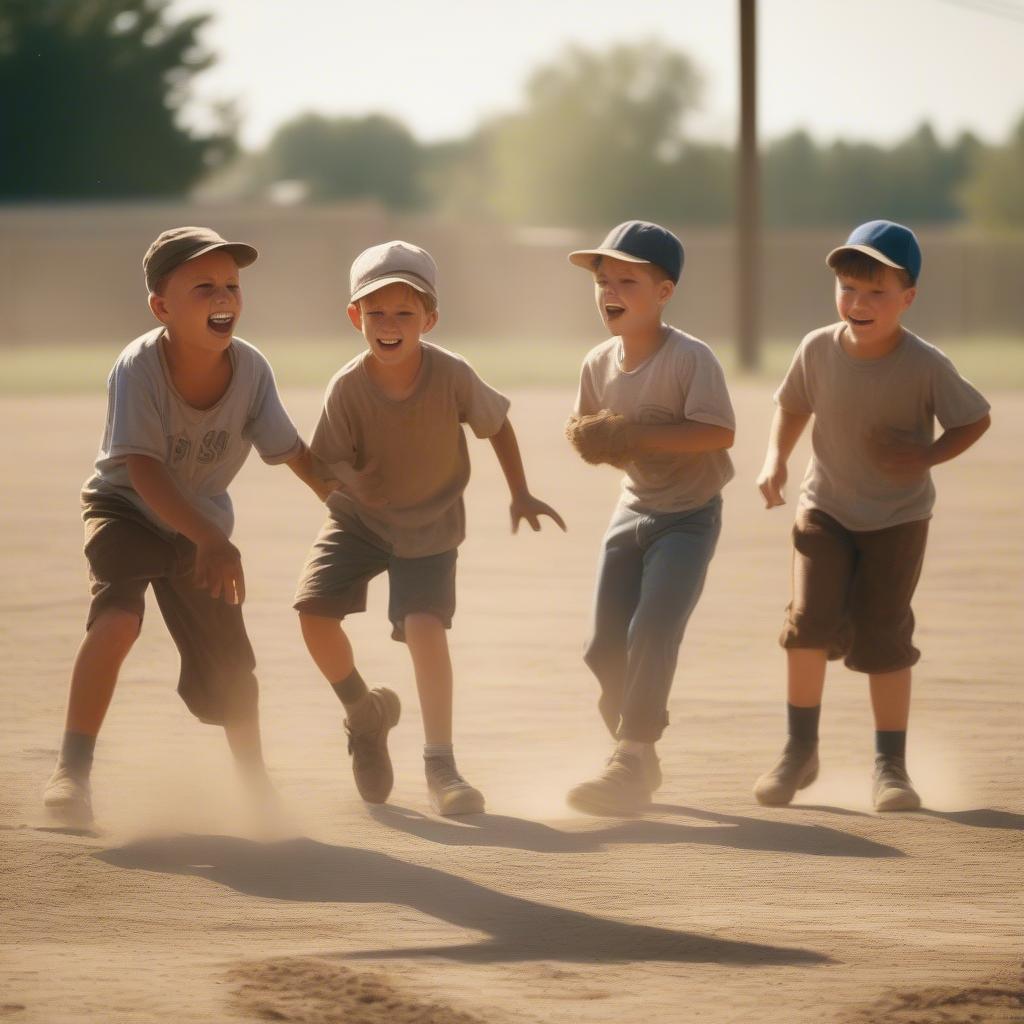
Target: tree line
<point>94,91</point>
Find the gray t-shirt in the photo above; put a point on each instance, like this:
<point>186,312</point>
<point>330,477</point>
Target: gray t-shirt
<point>858,404</point>
<point>202,449</point>
<point>404,464</point>
<point>682,381</point>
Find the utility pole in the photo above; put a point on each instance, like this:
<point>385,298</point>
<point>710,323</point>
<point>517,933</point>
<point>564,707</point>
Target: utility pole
<point>748,224</point>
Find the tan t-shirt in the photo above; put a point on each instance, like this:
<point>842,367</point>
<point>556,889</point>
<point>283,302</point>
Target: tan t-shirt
<point>403,465</point>
<point>682,381</point>
<point>857,405</point>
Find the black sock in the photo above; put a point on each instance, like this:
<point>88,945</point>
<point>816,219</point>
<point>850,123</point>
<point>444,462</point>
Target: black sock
<point>351,689</point>
<point>803,723</point>
<point>76,752</point>
<point>891,743</point>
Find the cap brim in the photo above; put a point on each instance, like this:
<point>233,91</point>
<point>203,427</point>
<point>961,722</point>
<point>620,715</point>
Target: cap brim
<point>868,251</point>
<point>412,280</point>
<point>244,255</point>
<point>585,257</point>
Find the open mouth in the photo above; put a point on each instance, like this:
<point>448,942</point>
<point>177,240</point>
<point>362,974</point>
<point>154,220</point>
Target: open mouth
<point>391,343</point>
<point>221,323</point>
<point>859,323</point>
<point>613,310</point>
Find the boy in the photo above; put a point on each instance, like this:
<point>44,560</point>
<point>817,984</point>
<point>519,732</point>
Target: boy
<point>653,401</point>
<point>874,390</point>
<point>390,440</point>
<point>185,404</point>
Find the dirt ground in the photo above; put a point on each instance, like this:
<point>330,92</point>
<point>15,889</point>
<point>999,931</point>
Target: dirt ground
<point>181,908</point>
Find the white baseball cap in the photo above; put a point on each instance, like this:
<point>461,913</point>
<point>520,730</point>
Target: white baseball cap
<point>393,263</point>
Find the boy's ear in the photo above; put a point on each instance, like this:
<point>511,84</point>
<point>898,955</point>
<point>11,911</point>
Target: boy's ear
<point>666,291</point>
<point>158,307</point>
<point>355,314</point>
<point>909,294</point>
<point>428,324</point>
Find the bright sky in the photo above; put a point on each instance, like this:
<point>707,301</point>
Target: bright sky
<point>866,69</point>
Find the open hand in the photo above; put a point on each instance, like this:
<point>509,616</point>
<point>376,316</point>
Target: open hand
<point>526,506</point>
<point>218,569</point>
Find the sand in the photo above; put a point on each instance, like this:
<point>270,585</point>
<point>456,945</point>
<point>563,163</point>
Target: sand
<point>183,906</point>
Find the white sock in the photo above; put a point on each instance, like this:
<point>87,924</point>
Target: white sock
<point>635,748</point>
<point>438,750</point>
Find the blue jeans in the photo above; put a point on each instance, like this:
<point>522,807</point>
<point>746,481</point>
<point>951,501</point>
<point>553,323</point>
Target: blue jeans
<point>651,574</point>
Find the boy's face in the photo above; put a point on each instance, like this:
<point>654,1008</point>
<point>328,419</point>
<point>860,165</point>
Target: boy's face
<point>630,296</point>
<point>872,308</point>
<point>201,301</point>
<point>392,320</point>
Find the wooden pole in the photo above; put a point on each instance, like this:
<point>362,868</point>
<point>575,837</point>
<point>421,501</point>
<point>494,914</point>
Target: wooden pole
<point>748,235</point>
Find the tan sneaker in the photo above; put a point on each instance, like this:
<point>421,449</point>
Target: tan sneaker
<point>796,769</point>
<point>450,793</point>
<point>893,790</point>
<point>68,799</point>
<point>624,787</point>
<point>367,725</point>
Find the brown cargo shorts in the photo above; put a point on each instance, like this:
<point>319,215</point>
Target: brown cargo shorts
<point>342,562</point>
<point>852,590</point>
<point>127,554</point>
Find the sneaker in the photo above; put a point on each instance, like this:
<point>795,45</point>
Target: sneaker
<point>624,787</point>
<point>796,769</point>
<point>450,793</point>
<point>652,766</point>
<point>893,790</point>
<point>68,798</point>
<point>367,725</point>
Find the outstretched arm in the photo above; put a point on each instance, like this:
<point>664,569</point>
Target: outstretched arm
<point>785,432</point>
<point>218,565</point>
<point>524,505</point>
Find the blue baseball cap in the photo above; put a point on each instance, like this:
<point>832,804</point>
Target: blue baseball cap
<point>892,244</point>
<point>637,241</point>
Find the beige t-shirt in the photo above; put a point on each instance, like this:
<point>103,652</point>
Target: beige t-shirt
<point>403,465</point>
<point>202,449</point>
<point>858,404</point>
<point>682,381</point>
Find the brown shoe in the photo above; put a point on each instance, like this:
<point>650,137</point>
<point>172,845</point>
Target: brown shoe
<point>796,769</point>
<point>367,725</point>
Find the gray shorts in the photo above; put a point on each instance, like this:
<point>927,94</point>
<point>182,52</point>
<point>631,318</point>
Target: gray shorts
<point>126,556</point>
<point>342,563</point>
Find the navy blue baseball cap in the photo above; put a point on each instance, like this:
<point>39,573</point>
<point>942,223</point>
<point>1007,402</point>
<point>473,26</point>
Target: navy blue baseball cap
<point>637,241</point>
<point>892,244</point>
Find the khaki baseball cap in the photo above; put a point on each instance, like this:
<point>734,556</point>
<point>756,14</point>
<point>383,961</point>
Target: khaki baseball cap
<point>393,263</point>
<point>179,245</point>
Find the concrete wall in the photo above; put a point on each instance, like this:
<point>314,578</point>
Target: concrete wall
<point>74,273</point>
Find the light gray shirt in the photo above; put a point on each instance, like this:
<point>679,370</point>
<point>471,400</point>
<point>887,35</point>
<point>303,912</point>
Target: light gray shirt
<point>202,449</point>
<point>859,404</point>
<point>681,381</point>
<point>403,464</point>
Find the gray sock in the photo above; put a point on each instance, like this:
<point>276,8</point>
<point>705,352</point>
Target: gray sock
<point>445,750</point>
<point>76,752</point>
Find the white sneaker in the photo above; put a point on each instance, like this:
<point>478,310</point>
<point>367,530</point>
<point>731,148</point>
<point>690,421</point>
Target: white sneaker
<point>450,793</point>
<point>68,798</point>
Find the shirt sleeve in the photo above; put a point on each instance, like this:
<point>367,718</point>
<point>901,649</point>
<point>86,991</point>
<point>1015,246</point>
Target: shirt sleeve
<point>273,434</point>
<point>707,397</point>
<point>483,408</point>
<point>134,423</point>
<point>587,402</point>
<point>956,401</point>
<point>793,393</point>
<point>332,443</point>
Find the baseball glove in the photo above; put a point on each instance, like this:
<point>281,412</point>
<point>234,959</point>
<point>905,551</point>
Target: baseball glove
<point>600,437</point>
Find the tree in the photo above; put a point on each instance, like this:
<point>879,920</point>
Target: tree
<point>994,192</point>
<point>92,93</point>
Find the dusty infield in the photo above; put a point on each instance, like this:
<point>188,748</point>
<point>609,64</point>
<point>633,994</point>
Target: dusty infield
<point>709,908</point>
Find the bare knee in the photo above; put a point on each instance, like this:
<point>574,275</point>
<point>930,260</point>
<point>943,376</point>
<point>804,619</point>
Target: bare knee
<point>315,626</point>
<point>116,629</point>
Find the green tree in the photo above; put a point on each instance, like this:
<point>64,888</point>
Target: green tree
<point>993,194</point>
<point>600,138</point>
<point>371,157</point>
<point>92,93</point>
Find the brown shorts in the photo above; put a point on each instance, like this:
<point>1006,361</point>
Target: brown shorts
<point>126,555</point>
<point>342,563</point>
<point>852,591</point>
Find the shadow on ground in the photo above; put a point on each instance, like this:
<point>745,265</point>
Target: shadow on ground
<point>519,929</point>
<point>730,830</point>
